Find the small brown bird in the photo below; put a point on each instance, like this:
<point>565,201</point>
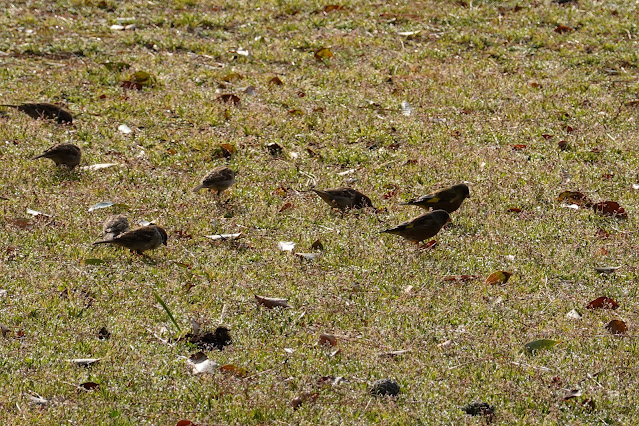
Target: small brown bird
<point>114,226</point>
<point>344,198</point>
<point>424,226</point>
<point>44,110</point>
<point>65,154</point>
<point>448,199</point>
<point>139,240</point>
<point>219,179</point>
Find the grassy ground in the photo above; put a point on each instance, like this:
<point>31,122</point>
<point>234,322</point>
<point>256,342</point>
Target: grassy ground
<point>480,76</point>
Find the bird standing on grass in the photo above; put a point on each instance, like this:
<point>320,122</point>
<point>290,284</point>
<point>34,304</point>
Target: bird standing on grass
<point>44,110</point>
<point>65,154</point>
<point>344,198</point>
<point>114,226</point>
<point>139,240</point>
<point>448,199</point>
<point>219,179</point>
<point>419,228</point>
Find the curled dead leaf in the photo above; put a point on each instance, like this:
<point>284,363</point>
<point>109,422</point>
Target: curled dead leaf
<point>234,370</point>
<point>271,302</point>
<point>617,327</point>
<point>498,277</point>
<point>602,302</point>
<point>327,340</point>
<point>574,197</point>
<point>563,29</point>
<point>610,208</point>
<point>89,386</point>
<point>323,53</point>
<point>229,98</point>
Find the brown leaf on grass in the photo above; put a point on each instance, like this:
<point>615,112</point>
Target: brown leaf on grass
<point>498,277</point>
<point>229,98</point>
<point>185,422</point>
<point>633,103</point>
<point>333,7</point>
<point>224,150</point>
<point>563,145</point>
<point>562,29</point>
<point>89,386</point>
<point>461,278</point>
<point>271,302</point>
<point>297,112</point>
<point>610,208</point>
<point>285,207</point>
<point>519,147</point>
<point>326,339</point>
<point>21,222</point>
<point>575,197</point>
<point>234,370</point>
<point>617,327</point>
<point>323,53</point>
<point>602,302</point>
<point>514,210</point>
<point>276,81</point>
<point>607,176</point>
<point>547,136</point>
<point>602,234</point>
<point>302,398</point>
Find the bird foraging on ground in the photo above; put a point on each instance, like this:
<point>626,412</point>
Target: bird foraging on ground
<point>140,239</point>
<point>114,226</point>
<point>219,179</point>
<point>44,110</point>
<point>344,198</point>
<point>65,154</point>
<point>419,228</point>
<point>448,199</point>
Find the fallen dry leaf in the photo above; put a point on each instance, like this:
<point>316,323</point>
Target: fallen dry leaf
<point>271,302</point>
<point>327,340</point>
<point>610,208</point>
<point>602,302</point>
<point>617,327</point>
<point>498,277</point>
<point>575,197</point>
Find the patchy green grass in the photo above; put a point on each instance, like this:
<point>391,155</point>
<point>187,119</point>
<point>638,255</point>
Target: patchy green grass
<point>481,77</point>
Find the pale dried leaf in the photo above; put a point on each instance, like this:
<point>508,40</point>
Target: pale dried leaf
<point>123,128</point>
<point>271,302</point>
<point>286,245</point>
<point>224,237</point>
<point>98,166</point>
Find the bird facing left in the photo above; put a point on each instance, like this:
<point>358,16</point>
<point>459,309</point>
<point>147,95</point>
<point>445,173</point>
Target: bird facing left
<point>65,154</point>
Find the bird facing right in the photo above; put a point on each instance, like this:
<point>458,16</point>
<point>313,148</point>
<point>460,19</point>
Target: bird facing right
<point>449,199</point>
<point>65,154</point>
<point>140,239</point>
<point>219,179</point>
<point>424,226</point>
